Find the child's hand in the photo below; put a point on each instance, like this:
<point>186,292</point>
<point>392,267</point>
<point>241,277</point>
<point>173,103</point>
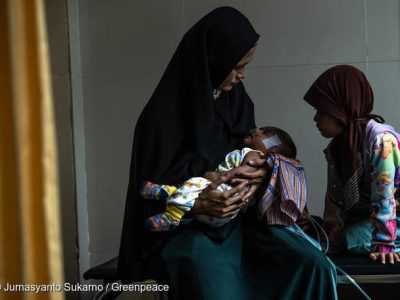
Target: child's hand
<point>384,257</point>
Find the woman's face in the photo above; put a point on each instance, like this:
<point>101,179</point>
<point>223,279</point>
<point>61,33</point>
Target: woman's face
<point>328,126</point>
<point>238,73</point>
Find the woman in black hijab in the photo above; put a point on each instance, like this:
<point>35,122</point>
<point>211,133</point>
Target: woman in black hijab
<point>199,112</point>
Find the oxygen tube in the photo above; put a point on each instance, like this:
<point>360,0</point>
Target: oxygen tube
<point>274,141</point>
<point>348,277</point>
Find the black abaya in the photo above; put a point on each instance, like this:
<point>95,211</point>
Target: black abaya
<point>182,131</point>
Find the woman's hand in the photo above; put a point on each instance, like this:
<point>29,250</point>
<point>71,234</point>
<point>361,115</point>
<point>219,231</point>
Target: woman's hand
<point>254,171</point>
<point>384,257</point>
<point>215,203</point>
<point>212,176</point>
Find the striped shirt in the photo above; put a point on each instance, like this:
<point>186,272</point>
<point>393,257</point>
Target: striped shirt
<point>285,196</point>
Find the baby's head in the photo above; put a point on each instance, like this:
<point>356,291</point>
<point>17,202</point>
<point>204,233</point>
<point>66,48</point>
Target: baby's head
<point>266,139</point>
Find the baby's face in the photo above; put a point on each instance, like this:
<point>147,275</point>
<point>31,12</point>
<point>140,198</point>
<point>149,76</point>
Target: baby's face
<point>262,139</point>
<point>254,139</point>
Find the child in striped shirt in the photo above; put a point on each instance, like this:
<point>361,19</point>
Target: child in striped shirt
<point>280,150</point>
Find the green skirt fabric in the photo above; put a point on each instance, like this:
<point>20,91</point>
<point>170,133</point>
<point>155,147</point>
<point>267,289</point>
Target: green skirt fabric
<point>254,261</point>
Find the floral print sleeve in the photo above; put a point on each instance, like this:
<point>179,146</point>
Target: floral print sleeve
<point>385,161</point>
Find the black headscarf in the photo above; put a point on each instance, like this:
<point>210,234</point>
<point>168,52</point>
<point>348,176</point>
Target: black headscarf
<point>182,131</point>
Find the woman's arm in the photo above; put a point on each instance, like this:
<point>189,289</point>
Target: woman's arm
<point>233,164</point>
<point>384,160</point>
<point>243,167</point>
<point>216,203</point>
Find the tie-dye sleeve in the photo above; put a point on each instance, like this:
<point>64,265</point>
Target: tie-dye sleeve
<point>233,160</point>
<point>385,158</point>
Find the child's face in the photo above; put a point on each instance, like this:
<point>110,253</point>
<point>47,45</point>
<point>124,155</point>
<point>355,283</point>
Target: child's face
<point>254,140</point>
<point>328,126</point>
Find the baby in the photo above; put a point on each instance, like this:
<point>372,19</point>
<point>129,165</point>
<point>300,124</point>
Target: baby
<point>180,200</point>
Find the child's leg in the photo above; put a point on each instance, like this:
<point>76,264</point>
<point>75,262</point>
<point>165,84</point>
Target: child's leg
<point>166,220</point>
<point>154,191</point>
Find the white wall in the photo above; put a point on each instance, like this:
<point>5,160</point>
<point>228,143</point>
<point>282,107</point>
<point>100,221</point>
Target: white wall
<point>56,13</point>
<point>125,46</point>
